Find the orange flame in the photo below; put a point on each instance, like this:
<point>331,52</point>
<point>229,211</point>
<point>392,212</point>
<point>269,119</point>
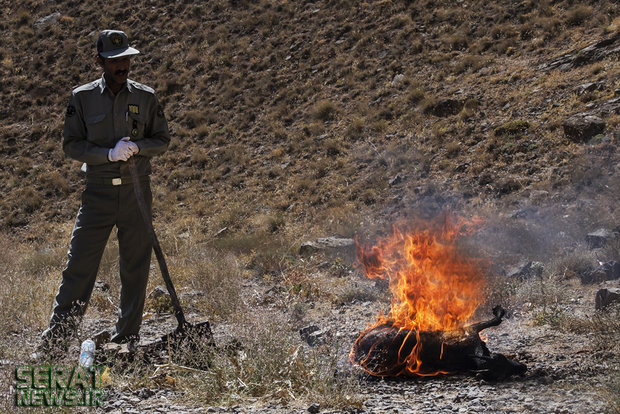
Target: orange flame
<point>434,286</point>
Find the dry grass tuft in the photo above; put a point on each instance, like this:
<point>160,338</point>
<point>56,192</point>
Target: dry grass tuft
<point>514,127</point>
<point>324,110</point>
<point>29,282</point>
<point>578,14</point>
<point>262,362</point>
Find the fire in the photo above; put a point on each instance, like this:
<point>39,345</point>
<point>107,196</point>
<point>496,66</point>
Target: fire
<point>434,285</point>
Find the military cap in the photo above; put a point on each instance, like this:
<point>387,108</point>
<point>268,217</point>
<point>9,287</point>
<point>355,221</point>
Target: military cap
<point>114,44</point>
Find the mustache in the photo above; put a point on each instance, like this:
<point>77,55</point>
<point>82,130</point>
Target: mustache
<point>121,72</point>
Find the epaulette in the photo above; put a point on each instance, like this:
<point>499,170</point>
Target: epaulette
<point>142,87</point>
<point>88,87</point>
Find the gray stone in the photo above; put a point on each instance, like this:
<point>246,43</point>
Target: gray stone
<point>606,271</point>
<point>582,127</point>
<point>605,108</point>
<point>157,293</point>
<point>398,79</point>
<point>599,238</point>
<point>590,87</point>
<point>313,335</point>
<point>327,244</point>
<point>524,213</point>
<point>605,297</point>
<point>102,286</point>
<point>526,270</point>
<point>47,20</point>
<point>396,180</point>
<point>314,408</point>
<point>587,55</point>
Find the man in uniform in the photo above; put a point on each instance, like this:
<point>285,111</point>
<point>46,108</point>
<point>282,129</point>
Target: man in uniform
<point>109,121</point>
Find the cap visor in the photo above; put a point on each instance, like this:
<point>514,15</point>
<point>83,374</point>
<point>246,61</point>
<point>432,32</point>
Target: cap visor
<point>120,53</point>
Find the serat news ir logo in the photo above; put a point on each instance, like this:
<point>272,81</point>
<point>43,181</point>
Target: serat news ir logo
<point>58,385</point>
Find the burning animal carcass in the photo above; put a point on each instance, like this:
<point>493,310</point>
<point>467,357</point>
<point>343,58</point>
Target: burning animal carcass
<point>436,290</point>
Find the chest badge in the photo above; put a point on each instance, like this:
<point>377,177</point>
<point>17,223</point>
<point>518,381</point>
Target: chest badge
<point>133,109</point>
<point>134,129</point>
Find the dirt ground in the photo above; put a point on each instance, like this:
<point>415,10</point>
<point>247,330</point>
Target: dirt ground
<point>567,371</point>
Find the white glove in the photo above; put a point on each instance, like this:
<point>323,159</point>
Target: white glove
<point>123,150</point>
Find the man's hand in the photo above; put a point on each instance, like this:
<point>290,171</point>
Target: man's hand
<point>123,150</point>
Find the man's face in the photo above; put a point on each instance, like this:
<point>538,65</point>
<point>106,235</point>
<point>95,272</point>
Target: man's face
<point>116,70</point>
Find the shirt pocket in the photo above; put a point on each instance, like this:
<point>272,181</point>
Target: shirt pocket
<point>98,129</point>
<point>136,127</point>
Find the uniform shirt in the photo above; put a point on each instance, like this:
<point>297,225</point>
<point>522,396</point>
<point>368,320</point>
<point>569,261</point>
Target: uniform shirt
<point>96,119</point>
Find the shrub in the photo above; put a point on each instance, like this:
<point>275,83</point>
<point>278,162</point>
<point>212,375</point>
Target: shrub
<point>30,200</point>
<point>457,41</point>
<point>578,14</point>
<point>216,275</point>
<point>469,62</point>
<point>356,128</point>
<point>415,96</point>
<point>453,149</point>
<point>512,128</point>
<point>333,147</point>
<point>324,110</point>
<point>28,288</point>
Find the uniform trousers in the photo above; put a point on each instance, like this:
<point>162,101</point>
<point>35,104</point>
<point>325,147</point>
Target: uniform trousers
<point>104,207</point>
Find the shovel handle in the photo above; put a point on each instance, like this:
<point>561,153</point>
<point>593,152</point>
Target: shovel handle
<point>178,311</point>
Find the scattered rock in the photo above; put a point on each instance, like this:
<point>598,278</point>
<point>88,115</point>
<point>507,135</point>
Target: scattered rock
<point>314,408</point>
<point>606,297</point>
<point>600,238</point>
<point>461,168</point>
<point>157,293</point>
<point>526,270</point>
<point>582,127</point>
<point>609,107</point>
<point>47,20</point>
<point>445,107</point>
<point>305,331</point>
<point>221,231</point>
<point>313,335</point>
<point>602,109</point>
<point>396,180</point>
<point>160,300</point>
<point>606,271</point>
<point>398,79</point>
<point>587,55</point>
<point>524,213</point>
<point>111,347</point>
<point>589,87</point>
<point>327,243</point>
<point>102,286</point>
<point>144,393</point>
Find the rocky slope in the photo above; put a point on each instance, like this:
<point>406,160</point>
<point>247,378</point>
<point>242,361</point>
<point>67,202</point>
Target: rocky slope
<point>305,119</point>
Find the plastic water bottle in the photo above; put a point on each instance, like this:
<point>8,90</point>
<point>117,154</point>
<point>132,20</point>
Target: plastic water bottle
<point>87,353</point>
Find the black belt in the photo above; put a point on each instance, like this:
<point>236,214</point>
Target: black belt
<point>113,181</point>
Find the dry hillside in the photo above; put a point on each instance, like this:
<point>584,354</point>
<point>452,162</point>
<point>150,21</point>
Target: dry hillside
<point>303,113</point>
<point>293,120</point>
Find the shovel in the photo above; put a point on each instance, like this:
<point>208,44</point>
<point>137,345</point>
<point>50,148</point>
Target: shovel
<point>200,332</point>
